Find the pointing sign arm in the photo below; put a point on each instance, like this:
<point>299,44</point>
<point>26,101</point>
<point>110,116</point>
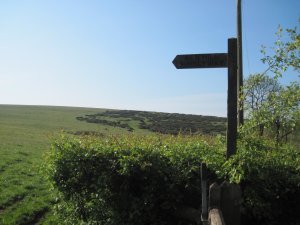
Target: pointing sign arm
<point>216,60</point>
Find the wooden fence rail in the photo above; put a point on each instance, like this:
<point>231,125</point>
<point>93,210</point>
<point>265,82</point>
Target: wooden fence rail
<point>215,217</point>
<point>223,205</point>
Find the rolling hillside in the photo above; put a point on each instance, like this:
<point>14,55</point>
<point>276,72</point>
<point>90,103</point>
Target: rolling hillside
<point>26,133</point>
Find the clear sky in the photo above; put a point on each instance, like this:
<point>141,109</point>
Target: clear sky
<point>118,54</point>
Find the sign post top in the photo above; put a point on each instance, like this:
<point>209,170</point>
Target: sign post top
<point>192,61</point>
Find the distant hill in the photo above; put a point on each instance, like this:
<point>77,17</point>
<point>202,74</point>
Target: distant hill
<point>84,121</point>
<point>165,123</point>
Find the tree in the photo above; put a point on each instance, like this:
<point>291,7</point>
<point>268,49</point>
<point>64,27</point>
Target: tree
<point>267,103</point>
<point>258,89</point>
<point>284,111</point>
<point>286,54</point>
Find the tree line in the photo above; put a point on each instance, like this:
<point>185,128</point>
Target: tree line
<point>272,109</point>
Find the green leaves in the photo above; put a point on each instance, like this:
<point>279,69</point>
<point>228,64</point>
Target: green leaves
<point>131,179</point>
<point>271,109</point>
<point>135,179</point>
<point>276,110</point>
<point>284,54</point>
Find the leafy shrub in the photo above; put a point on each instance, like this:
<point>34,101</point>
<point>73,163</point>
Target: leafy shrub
<point>147,180</point>
<point>270,180</point>
<point>129,179</point>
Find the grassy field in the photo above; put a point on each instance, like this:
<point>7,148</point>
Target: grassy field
<point>25,135</point>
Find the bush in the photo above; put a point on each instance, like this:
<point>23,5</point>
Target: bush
<point>147,180</point>
<point>129,179</point>
<point>270,180</point>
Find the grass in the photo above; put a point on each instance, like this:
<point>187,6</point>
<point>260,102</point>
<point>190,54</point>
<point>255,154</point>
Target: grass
<point>25,135</point>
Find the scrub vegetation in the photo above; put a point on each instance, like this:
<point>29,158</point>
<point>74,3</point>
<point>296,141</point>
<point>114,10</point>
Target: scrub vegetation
<point>164,123</point>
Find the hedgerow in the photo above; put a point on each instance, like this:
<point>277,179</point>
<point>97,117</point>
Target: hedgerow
<point>270,179</point>
<point>128,180</point>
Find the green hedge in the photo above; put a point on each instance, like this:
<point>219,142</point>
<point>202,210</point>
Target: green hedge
<point>270,179</point>
<point>130,180</point>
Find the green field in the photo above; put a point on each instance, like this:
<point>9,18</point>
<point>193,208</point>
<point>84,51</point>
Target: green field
<point>25,135</point>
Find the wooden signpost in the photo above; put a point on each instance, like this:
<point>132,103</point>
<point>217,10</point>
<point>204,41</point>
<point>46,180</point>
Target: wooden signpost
<point>219,60</point>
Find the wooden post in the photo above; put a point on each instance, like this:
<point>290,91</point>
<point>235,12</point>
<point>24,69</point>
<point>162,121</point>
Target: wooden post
<point>214,196</point>
<point>230,203</point>
<point>219,60</point>
<point>215,217</point>
<point>204,214</point>
<point>240,60</point>
<point>232,98</point>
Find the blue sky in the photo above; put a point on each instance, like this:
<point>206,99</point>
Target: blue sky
<point>118,54</point>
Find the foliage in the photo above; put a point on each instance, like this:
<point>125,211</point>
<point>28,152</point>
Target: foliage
<point>269,104</point>
<point>285,54</point>
<point>258,89</point>
<point>94,119</point>
<point>165,123</point>
<point>128,180</point>
<point>147,180</point>
<point>270,180</point>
